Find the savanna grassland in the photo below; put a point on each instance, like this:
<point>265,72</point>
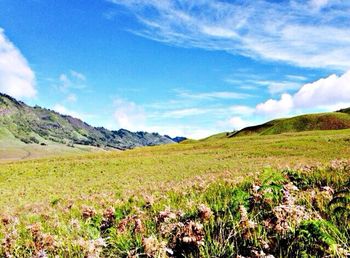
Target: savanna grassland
<point>253,196</point>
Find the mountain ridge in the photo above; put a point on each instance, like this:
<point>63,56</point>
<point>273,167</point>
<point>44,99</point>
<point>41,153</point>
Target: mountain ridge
<point>37,125</point>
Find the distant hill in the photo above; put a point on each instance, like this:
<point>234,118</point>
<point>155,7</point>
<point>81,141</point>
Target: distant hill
<point>177,139</point>
<point>322,121</point>
<point>345,110</point>
<point>36,125</point>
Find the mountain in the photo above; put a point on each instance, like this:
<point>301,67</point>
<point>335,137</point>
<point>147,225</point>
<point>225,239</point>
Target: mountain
<point>322,121</point>
<point>36,125</point>
<point>177,139</point>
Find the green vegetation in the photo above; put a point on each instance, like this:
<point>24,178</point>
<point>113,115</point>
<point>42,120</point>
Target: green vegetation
<point>251,196</point>
<point>310,122</point>
<point>41,127</point>
<point>345,110</point>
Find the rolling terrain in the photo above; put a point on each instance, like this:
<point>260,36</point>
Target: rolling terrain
<point>192,199</point>
<point>34,132</point>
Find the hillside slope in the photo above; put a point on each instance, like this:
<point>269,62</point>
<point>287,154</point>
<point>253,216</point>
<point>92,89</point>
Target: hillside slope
<point>322,121</point>
<point>36,125</point>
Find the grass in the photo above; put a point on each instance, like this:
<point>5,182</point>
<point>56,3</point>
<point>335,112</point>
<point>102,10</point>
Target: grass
<point>12,148</point>
<point>69,205</point>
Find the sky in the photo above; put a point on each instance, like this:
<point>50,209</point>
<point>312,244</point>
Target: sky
<point>183,68</point>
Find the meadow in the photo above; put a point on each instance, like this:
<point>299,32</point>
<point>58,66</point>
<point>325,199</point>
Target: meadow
<point>249,196</point>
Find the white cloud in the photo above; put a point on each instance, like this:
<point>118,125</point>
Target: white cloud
<point>287,31</point>
<point>238,123</point>
<point>129,115</point>
<point>276,107</point>
<point>325,94</point>
<point>65,111</point>
<point>16,77</point>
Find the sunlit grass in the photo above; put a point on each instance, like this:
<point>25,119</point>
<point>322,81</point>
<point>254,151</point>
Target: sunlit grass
<point>52,195</point>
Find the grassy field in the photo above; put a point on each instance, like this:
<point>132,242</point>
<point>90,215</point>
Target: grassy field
<point>94,203</point>
<point>12,148</point>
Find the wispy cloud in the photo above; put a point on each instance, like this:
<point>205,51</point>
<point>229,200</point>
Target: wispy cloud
<point>279,86</point>
<point>16,77</point>
<point>71,80</point>
<point>294,77</point>
<point>213,95</point>
<point>181,113</point>
<point>293,83</point>
<point>307,35</point>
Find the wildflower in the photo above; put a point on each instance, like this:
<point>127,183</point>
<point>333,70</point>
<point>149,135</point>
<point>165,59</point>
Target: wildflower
<point>153,248</point>
<point>138,226</point>
<point>48,241</point>
<point>108,218</point>
<point>204,212</point>
<point>123,223</point>
<point>9,241</point>
<point>149,201</point>
<point>135,220</point>
<point>91,248</point>
<point>166,215</point>
<point>88,212</point>
<point>150,245</point>
<point>75,223</point>
<point>6,220</point>
<point>191,233</point>
<point>245,223</point>
<point>42,242</point>
<point>288,215</point>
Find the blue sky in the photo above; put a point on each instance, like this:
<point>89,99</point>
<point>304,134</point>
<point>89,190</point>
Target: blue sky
<point>189,68</point>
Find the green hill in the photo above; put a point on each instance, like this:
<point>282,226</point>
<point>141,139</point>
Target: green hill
<point>311,122</point>
<point>345,110</point>
<point>22,125</point>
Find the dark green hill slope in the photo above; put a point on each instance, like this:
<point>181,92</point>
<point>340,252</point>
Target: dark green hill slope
<point>310,122</point>
<point>345,110</point>
<point>40,126</point>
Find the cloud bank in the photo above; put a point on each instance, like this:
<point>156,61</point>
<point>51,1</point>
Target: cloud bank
<point>16,77</point>
<point>328,94</point>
